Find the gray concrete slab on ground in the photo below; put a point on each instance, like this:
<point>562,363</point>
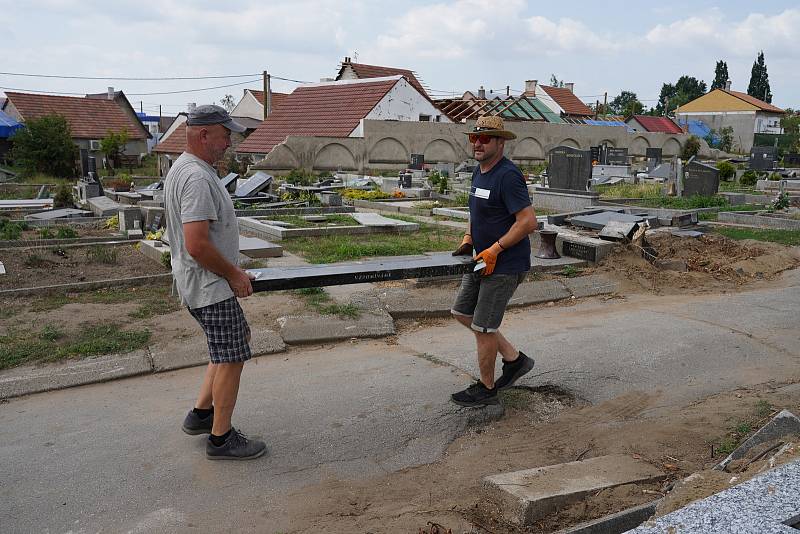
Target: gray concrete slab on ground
<point>191,351</point>
<point>374,219</point>
<point>307,329</point>
<point>254,247</point>
<point>528,495</point>
<point>766,504</point>
<point>344,411</point>
<point>63,213</point>
<point>529,293</point>
<point>103,206</point>
<point>590,286</point>
<point>31,379</point>
<point>783,424</point>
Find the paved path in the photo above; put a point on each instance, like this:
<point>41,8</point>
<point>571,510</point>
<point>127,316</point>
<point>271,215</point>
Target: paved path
<point>111,457</point>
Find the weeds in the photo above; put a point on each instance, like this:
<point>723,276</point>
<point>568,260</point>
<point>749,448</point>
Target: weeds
<point>11,231</point>
<point>570,272</point>
<point>65,232</point>
<point>45,233</point>
<point>318,300</point>
<point>34,261</point>
<point>102,255</point>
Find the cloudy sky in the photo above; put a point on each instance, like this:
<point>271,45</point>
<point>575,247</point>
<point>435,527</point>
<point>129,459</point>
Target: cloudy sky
<point>453,45</point>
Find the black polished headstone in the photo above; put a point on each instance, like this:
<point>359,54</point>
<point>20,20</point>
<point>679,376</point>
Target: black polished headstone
<point>257,183</point>
<point>229,181</point>
<point>569,168</point>
<point>277,278</point>
<point>616,156</point>
<point>700,179</point>
<point>579,250</point>
<point>84,162</point>
<point>654,153</point>
<point>791,160</point>
<point>762,158</point>
<point>417,162</point>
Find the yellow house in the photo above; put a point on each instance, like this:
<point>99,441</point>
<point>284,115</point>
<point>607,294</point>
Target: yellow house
<point>747,115</point>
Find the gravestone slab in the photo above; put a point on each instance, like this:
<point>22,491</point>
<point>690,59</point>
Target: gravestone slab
<point>130,218</point>
<point>616,156</point>
<point>373,219</point>
<point>700,179</point>
<point>129,199</point>
<point>329,198</point>
<point>653,156</point>
<point>277,278</point>
<point>253,247</point>
<point>598,221</point>
<point>763,158</point>
<point>526,496</point>
<point>229,181</point>
<point>103,206</point>
<point>791,160</point>
<point>64,213</point>
<point>153,217</point>
<point>569,168</point>
<point>257,183</point>
<point>314,218</point>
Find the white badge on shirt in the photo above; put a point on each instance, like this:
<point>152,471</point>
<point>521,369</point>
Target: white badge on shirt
<point>482,193</point>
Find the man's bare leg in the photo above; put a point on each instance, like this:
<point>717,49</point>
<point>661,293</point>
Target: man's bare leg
<point>205,399</point>
<point>225,389</point>
<point>503,346</point>
<point>487,354</point>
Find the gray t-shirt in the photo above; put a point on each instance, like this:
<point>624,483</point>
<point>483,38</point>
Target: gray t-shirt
<point>193,192</point>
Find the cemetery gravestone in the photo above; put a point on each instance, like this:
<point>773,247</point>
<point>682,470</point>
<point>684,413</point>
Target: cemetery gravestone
<point>229,182</point>
<point>417,161</point>
<point>762,158</point>
<point>616,156</point>
<point>569,168</point>
<point>791,160</point>
<point>700,179</point>
<point>257,183</point>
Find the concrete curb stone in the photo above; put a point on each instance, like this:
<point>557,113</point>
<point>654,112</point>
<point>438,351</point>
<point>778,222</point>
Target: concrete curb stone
<point>296,330</point>
<point>190,352</point>
<point>591,286</point>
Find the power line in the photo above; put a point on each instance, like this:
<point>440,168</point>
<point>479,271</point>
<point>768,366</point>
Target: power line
<point>65,77</point>
<point>134,94</point>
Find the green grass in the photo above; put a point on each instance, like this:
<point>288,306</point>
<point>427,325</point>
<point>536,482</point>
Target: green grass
<point>712,215</point>
<point>155,297</point>
<point>101,254</point>
<point>570,272</point>
<point>784,237</point>
<point>763,408</point>
<point>626,190</point>
<point>318,300</point>
<point>18,193</point>
<point>330,249</point>
<point>19,347</point>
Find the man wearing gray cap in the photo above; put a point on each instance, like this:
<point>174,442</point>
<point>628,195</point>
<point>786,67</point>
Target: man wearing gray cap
<point>204,244</point>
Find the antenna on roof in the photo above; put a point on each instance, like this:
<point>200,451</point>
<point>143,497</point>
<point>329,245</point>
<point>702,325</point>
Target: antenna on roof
<point>355,56</point>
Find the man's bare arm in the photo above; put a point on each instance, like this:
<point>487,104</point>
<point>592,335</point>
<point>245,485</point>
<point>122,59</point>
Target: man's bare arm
<point>524,224</point>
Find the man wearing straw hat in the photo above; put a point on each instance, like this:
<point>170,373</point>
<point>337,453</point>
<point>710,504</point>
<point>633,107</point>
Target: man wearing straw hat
<point>501,217</point>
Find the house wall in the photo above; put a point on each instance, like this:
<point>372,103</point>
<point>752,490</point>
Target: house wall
<point>401,103</point>
<point>388,145</point>
<point>249,106</point>
<point>742,122</point>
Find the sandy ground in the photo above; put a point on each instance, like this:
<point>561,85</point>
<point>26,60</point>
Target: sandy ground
<point>544,428</point>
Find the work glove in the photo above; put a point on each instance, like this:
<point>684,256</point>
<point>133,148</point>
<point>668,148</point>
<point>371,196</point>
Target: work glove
<point>489,257</point>
<point>465,248</point>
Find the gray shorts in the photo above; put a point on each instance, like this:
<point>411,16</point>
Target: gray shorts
<point>226,329</point>
<point>484,298</point>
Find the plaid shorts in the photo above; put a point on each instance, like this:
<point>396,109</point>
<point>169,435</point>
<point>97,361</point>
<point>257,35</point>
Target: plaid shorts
<point>226,330</point>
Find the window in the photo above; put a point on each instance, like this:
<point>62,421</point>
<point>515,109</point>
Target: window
<point>424,118</point>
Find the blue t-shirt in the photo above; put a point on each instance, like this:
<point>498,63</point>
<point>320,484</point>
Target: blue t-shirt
<point>493,200</point>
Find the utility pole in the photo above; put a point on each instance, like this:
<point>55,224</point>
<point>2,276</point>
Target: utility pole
<point>605,103</point>
<point>267,95</point>
<point>158,137</point>
<point>141,106</point>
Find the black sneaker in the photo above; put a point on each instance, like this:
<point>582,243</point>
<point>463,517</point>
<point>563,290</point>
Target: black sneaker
<point>475,396</point>
<point>513,371</point>
<point>236,447</point>
<point>193,424</point>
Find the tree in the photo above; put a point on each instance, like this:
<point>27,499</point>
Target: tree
<point>112,146</point>
<point>555,82</point>
<point>691,148</point>
<point>45,145</point>
<point>725,138</point>
<point>720,76</point>
<point>686,89</point>
<point>228,103</point>
<point>791,122</point>
<point>626,104</point>
<point>759,80</point>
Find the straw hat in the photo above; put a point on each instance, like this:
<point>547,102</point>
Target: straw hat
<point>492,126</point>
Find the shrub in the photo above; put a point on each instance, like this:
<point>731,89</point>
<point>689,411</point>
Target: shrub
<point>462,199</point>
<point>166,259</point>
<point>45,146</point>
<point>11,231</point>
<point>774,177</point>
<point>360,194</point>
<point>45,233</point>
<point>63,197</point>
<point>299,177</point>
<point>691,148</point>
<point>748,179</point>
<point>65,232</point>
<point>726,170</point>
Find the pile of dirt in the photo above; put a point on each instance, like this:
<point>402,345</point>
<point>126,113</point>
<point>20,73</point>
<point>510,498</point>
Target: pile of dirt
<point>709,263</point>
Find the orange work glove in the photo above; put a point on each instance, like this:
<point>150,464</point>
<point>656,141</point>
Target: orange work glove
<point>465,248</point>
<point>489,257</point>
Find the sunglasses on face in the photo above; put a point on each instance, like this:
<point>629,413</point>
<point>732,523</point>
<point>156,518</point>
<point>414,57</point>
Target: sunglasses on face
<point>483,138</point>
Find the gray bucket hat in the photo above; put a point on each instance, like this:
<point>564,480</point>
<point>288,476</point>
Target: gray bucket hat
<point>211,114</point>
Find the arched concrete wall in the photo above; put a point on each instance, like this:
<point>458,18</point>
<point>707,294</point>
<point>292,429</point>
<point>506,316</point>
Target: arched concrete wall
<point>389,150</point>
<point>527,149</point>
<point>387,140</point>
<point>335,156</point>
<point>672,147</point>
<point>608,142</point>
<point>440,150</point>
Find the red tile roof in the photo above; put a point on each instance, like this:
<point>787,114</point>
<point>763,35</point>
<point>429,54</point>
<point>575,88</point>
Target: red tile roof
<point>565,98</point>
<point>88,118</point>
<point>277,98</point>
<point>175,143</point>
<point>658,124</point>
<point>755,101</point>
<point>375,71</point>
<point>332,110</point>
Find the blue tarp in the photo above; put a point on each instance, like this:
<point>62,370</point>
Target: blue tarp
<point>593,122</point>
<point>8,125</point>
<point>698,128</point>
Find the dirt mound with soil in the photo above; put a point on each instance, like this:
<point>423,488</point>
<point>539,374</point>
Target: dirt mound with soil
<point>709,263</point>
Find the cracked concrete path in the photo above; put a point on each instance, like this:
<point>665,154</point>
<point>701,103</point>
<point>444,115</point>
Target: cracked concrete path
<point>111,456</point>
